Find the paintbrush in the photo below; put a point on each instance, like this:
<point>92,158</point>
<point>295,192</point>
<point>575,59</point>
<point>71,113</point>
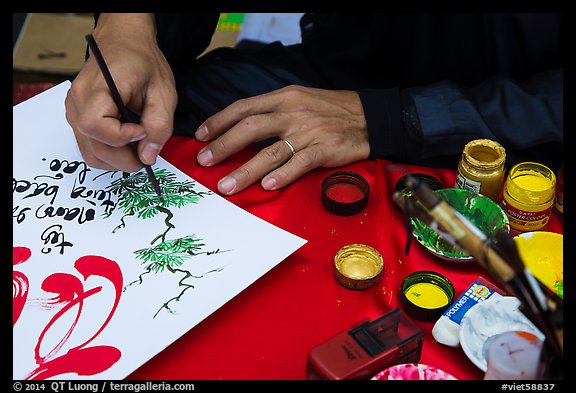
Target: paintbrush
<point>126,115</point>
<point>541,303</point>
<point>502,261</point>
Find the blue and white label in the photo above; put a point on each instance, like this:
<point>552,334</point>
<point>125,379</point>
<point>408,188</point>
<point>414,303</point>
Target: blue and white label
<point>477,292</point>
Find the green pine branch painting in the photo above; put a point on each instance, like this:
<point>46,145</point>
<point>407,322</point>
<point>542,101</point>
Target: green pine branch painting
<point>137,198</point>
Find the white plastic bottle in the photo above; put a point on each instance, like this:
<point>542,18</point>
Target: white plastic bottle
<point>447,327</point>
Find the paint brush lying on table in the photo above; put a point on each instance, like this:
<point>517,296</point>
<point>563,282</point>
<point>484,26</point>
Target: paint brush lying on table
<point>126,116</point>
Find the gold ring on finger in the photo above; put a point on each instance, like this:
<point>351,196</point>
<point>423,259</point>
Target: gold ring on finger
<point>290,146</point>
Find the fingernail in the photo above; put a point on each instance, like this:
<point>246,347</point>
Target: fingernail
<point>138,137</point>
<point>227,185</point>
<point>205,157</point>
<point>201,133</point>
<point>269,183</point>
<point>150,153</point>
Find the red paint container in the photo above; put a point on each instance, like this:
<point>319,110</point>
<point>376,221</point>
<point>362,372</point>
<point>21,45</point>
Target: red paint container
<point>345,193</point>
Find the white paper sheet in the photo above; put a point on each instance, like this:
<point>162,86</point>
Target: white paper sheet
<point>104,279</point>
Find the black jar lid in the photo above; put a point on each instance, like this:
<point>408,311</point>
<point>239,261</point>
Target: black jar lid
<point>345,193</point>
<point>431,181</point>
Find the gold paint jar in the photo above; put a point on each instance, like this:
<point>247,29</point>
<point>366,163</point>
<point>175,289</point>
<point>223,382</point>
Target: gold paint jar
<point>481,168</point>
<point>528,196</point>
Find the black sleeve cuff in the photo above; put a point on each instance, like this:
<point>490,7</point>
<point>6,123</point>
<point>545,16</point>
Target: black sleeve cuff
<point>382,110</point>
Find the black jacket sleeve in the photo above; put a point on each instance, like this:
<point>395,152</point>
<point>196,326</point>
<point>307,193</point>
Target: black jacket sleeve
<point>382,110</point>
<point>431,82</point>
<point>525,117</point>
<point>183,37</point>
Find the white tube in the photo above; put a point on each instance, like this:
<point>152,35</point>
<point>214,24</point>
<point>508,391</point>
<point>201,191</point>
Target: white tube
<point>447,327</point>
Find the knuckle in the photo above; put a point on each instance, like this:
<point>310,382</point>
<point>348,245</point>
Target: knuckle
<point>92,161</point>
<point>218,147</point>
<point>273,154</point>
<point>158,126</point>
<point>293,92</point>
<point>76,89</point>
<point>244,174</point>
<point>307,159</point>
<point>85,124</point>
<point>99,151</point>
<point>124,85</point>
<point>241,106</point>
<point>250,122</point>
<point>306,127</point>
<point>294,89</point>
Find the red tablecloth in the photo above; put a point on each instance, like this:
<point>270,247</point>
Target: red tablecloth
<point>266,332</point>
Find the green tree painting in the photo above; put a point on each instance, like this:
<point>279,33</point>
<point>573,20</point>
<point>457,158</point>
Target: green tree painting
<point>137,198</point>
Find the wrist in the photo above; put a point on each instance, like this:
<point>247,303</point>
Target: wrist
<point>133,25</point>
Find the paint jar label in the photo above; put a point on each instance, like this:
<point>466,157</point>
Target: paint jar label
<point>481,168</point>
<point>528,196</point>
<point>467,184</point>
<point>523,221</point>
<point>477,292</point>
<point>446,329</point>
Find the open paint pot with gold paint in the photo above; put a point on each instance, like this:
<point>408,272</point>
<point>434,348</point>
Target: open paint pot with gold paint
<point>357,266</point>
<point>425,295</point>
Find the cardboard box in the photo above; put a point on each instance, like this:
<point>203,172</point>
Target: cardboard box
<point>227,29</point>
<point>55,44</point>
<point>52,43</point>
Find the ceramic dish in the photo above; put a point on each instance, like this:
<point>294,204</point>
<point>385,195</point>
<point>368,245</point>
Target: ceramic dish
<point>413,371</point>
<point>479,210</point>
<point>543,254</point>
<point>489,318</point>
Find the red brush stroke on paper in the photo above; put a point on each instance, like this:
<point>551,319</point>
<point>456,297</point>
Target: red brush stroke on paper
<point>19,294</point>
<point>81,361</point>
<point>70,294</point>
<point>20,254</point>
<point>20,283</point>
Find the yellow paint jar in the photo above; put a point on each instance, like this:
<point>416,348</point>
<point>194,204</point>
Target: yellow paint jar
<point>528,196</point>
<point>425,295</point>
